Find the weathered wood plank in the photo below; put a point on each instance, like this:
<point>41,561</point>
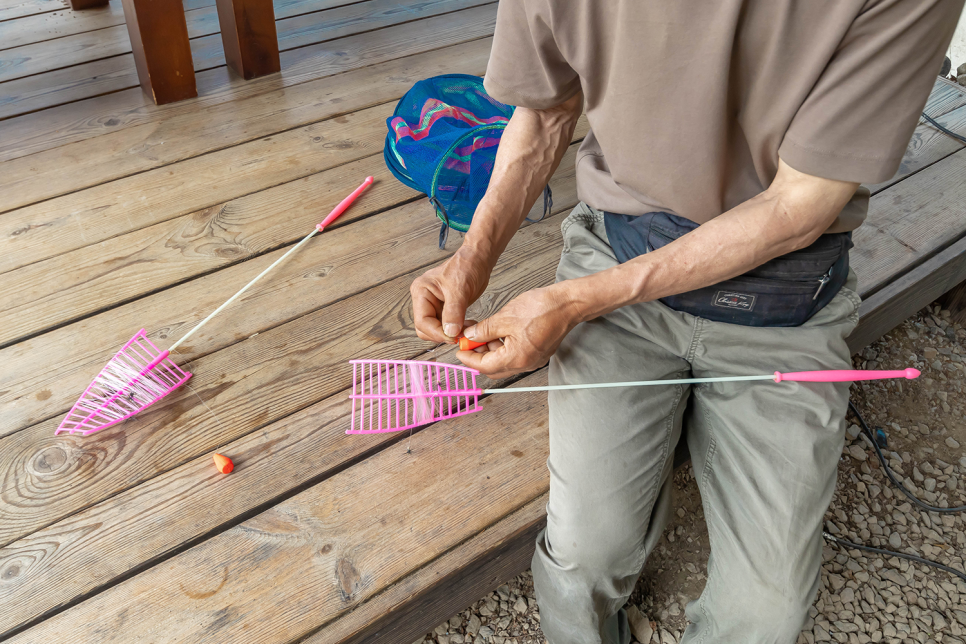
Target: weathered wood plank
<point>101,117</point>
<point>56,466</point>
<point>120,269</point>
<point>42,376</point>
<point>115,74</point>
<point>70,51</point>
<point>59,24</point>
<point>55,566</point>
<point>333,546</point>
<point>326,21</point>
<point>909,222</point>
<point>13,9</point>
<point>49,229</point>
<point>928,145</point>
<point>249,384</point>
<point>157,146</point>
<point>431,595</point>
<point>908,293</point>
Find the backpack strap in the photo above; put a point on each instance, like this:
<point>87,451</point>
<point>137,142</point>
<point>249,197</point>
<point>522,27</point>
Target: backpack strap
<point>547,205</point>
<point>444,228</point>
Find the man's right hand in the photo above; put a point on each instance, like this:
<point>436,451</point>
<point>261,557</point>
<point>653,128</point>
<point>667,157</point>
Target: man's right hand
<point>442,294</point>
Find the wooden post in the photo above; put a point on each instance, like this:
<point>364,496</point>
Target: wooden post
<point>87,4</point>
<point>159,38</point>
<point>249,37</point>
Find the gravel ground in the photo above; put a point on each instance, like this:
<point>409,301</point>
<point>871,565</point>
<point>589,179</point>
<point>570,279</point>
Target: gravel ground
<point>863,597</point>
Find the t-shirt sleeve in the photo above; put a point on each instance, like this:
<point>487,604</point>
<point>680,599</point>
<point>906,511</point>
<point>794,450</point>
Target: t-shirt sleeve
<point>526,67</point>
<point>858,119</point>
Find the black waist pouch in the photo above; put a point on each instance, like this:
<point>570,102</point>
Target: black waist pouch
<point>785,291</point>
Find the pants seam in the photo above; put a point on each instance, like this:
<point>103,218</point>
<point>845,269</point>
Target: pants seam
<point>668,427</point>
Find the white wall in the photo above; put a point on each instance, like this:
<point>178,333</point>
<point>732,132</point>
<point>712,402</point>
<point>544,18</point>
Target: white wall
<point>957,49</point>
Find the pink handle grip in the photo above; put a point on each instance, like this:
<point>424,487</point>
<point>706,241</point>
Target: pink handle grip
<point>846,375</point>
<point>341,208</point>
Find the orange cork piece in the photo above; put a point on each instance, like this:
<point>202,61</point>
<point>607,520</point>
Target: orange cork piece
<point>468,345</point>
<point>223,463</point>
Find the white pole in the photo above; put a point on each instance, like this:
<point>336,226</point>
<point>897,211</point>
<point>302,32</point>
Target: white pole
<point>244,288</point>
<point>638,383</point>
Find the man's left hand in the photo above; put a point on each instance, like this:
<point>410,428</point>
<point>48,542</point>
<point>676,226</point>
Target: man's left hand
<point>523,334</point>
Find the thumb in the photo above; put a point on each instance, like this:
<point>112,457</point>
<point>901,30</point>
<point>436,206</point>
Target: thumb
<point>484,330</point>
<point>453,317</point>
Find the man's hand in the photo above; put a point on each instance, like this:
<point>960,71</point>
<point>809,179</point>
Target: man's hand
<point>523,334</point>
<point>530,150</point>
<point>442,294</point>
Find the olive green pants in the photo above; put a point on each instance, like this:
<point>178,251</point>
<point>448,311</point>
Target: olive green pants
<point>764,457</point>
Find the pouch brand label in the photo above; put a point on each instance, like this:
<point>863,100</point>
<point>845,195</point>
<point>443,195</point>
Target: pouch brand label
<point>734,300</point>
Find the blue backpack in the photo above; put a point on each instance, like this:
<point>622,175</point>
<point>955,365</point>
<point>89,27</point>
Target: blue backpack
<point>442,141</point>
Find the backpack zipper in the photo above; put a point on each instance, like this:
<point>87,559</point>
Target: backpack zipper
<point>822,281</point>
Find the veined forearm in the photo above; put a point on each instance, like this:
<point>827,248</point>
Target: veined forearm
<point>790,215</point>
<point>530,151</point>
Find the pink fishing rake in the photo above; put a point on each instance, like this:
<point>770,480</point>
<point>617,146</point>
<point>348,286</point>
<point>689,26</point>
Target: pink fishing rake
<point>141,374</point>
<point>395,395</point>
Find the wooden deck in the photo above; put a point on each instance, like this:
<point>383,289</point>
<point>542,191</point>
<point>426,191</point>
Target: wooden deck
<point>116,214</point>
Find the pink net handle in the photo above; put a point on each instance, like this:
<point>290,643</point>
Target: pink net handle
<point>846,375</point>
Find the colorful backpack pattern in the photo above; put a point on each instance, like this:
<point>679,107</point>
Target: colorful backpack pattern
<point>442,141</point>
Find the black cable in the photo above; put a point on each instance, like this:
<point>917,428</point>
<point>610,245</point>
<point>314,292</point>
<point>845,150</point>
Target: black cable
<point>892,553</point>
<point>939,127</point>
<point>848,544</point>
<point>892,477</point>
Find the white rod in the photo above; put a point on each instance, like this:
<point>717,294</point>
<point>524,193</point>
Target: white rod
<point>639,383</point>
<point>244,288</point>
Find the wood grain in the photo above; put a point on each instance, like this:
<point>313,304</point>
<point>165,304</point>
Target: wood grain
<point>908,293</point>
<point>55,466</point>
<point>56,565</point>
<point>42,376</point>
<point>928,145</point>
<point>333,546</point>
<point>122,268</point>
<point>413,606</point>
<point>37,28</point>
<point>63,224</point>
<point>60,24</point>
<point>909,222</point>
<point>11,9</point>
<point>290,106</point>
<point>248,385</point>
<point>88,80</point>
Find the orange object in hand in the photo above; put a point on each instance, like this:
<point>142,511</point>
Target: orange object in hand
<point>223,463</point>
<point>468,345</point>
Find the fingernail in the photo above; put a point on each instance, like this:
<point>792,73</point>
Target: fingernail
<point>452,330</point>
<point>470,332</point>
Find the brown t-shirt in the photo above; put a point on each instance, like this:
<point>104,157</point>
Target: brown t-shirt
<point>692,102</point>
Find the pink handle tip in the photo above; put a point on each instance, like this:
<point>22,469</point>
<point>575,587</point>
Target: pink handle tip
<point>344,204</point>
<point>845,375</point>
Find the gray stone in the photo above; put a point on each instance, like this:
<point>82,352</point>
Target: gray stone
<point>895,540</point>
<point>952,442</point>
<point>520,606</point>
<point>640,626</point>
<point>929,484</point>
<point>853,431</point>
<point>856,452</point>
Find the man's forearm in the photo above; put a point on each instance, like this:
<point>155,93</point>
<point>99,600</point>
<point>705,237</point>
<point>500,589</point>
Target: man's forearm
<point>530,151</point>
<point>790,215</point>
